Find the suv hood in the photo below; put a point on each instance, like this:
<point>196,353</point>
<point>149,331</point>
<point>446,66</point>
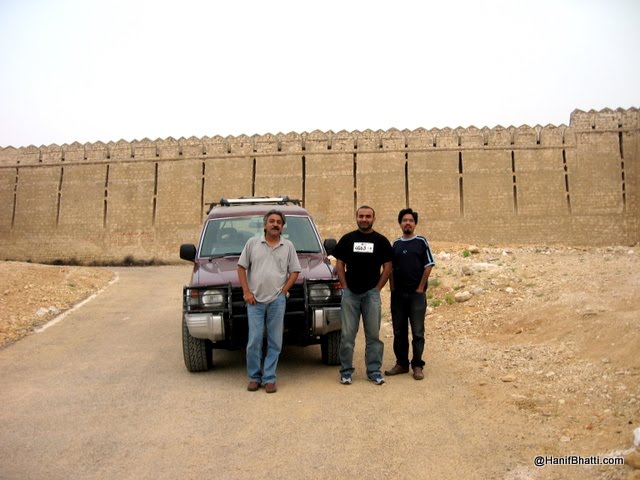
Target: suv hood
<point>224,270</point>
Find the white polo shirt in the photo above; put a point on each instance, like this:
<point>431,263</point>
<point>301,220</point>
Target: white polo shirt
<point>268,268</point>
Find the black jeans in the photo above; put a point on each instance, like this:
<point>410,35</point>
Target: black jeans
<point>408,308</point>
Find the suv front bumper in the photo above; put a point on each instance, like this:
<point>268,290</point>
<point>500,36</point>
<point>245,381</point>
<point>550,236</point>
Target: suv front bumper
<point>206,325</point>
<point>326,320</point>
<point>307,315</point>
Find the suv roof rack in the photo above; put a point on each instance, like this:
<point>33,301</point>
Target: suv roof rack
<point>227,202</point>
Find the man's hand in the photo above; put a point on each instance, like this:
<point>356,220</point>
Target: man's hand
<point>249,298</point>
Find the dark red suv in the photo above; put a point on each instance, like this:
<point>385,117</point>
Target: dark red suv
<point>214,314</point>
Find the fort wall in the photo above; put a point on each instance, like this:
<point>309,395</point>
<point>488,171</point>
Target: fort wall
<point>572,185</point>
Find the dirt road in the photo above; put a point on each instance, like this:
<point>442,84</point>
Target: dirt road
<point>104,394</point>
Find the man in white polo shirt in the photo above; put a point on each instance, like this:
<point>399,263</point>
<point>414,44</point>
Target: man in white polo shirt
<point>268,267</point>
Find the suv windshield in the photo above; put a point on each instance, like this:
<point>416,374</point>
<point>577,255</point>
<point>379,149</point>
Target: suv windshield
<point>227,236</point>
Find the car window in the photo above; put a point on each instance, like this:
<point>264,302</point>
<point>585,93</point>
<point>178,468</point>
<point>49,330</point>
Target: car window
<point>227,236</point>
<point>302,234</point>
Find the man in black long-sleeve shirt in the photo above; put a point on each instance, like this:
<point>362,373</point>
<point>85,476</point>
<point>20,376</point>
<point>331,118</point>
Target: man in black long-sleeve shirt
<point>412,262</point>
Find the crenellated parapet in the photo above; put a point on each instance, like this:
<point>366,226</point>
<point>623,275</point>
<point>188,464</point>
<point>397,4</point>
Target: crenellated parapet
<point>605,119</point>
<point>317,141</point>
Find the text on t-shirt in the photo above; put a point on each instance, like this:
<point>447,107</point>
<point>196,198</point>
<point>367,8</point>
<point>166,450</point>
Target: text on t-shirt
<point>363,247</point>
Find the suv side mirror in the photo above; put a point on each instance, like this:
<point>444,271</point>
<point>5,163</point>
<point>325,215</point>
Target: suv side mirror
<point>188,252</point>
<point>330,245</point>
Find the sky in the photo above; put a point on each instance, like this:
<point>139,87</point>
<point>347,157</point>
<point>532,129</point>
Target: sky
<point>87,71</point>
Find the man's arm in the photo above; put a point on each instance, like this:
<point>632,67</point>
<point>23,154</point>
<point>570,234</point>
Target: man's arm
<point>293,276</point>
<point>247,294</point>
<point>429,262</point>
<point>384,276</point>
<point>424,279</point>
<point>341,273</point>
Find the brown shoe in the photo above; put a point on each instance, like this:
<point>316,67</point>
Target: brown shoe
<point>418,374</point>
<point>270,388</point>
<point>397,370</point>
<point>253,386</point>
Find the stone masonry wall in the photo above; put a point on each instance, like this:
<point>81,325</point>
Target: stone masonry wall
<point>573,185</point>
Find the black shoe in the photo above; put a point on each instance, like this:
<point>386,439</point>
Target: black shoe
<point>397,370</point>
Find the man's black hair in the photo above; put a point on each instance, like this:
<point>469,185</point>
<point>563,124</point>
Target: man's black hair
<point>367,207</point>
<point>405,211</point>
<point>272,212</point>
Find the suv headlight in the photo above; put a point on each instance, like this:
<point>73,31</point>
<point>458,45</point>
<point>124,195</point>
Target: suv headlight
<point>321,292</point>
<point>213,298</point>
<point>207,298</point>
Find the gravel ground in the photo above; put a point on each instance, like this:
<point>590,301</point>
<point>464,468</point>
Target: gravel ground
<point>550,334</point>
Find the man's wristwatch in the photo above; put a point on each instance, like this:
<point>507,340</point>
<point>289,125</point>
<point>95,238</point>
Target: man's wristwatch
<point>287,295</point>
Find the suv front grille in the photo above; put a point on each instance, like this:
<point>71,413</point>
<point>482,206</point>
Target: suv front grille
<point>295,303</point>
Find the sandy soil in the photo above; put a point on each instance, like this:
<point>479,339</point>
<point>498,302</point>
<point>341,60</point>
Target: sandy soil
<point>32,294</point>
<point>551,334</point>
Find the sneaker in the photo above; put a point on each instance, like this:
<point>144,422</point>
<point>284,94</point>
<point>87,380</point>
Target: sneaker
<point>377,378</point>
<point>397,370</point>
<point>346,379</point>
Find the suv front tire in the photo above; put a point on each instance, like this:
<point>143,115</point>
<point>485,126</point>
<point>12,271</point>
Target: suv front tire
<point>197,352</point>
<point>330,348</point>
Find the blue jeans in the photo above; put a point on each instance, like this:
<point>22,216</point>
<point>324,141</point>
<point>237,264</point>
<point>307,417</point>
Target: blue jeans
<point>408,308</point>
<point>271,316</point>
<point>353,305</point>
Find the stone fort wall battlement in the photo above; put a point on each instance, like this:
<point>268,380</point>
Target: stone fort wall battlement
<point>573,185</point>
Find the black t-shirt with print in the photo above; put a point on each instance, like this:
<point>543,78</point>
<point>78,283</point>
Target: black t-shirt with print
<point>363,254</point>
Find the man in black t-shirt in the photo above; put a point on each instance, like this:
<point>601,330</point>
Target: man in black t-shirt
<point>363,267</point>
<point>412,262</point>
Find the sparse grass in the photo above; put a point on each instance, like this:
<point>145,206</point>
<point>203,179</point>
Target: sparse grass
<point>128,261</point>
<point>466,253</point>
<point>449,298</point>
<point>435,302</point>
<point>71,262</point>
<point>433,283</point>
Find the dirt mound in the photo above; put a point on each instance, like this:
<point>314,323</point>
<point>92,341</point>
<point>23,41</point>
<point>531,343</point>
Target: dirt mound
<point>32,294</point>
